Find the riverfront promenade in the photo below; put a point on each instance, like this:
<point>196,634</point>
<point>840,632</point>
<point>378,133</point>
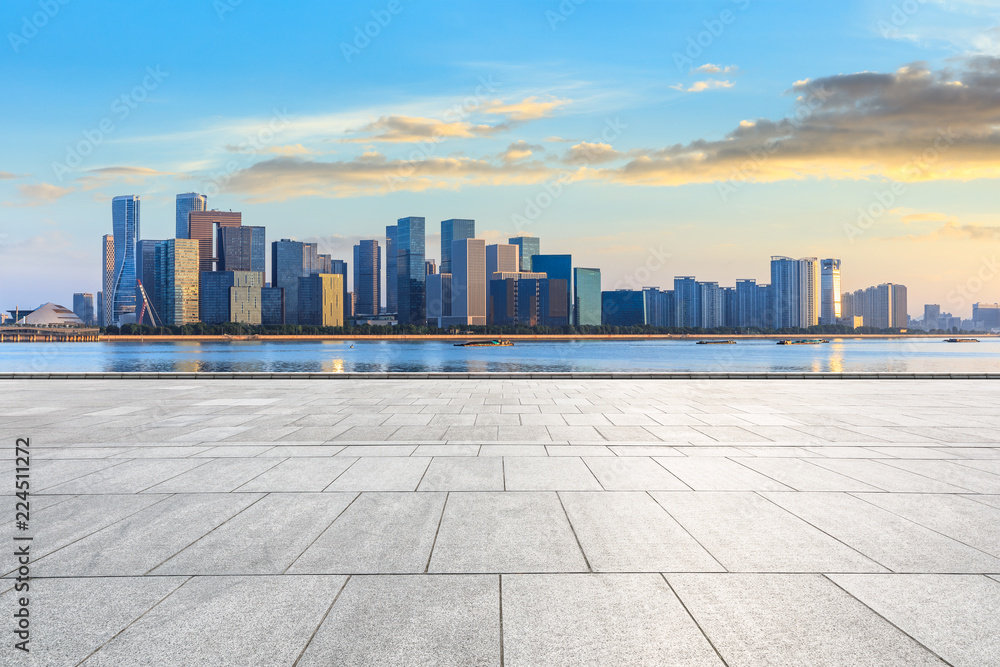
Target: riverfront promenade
<point>506,522</point>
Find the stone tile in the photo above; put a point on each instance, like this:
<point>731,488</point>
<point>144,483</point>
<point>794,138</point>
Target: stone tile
<point>679,435</point>
<point>458,473</point>
<point>523,434</point>
<point>578,450</point>
<point>894,542</point>
<point>234,451</point>
<point>992,501</point>
<point>644,450</point>
<point>139,543</point>
<point>598,619</point>
<point>377,450</point>
<point>713,473</point>
<point>388,473</point>
<point>505,532</point>
<point>378,533</point>
<point>956,474</point>
<point>885,477</point>
<point>633,473</point>
<point>298,475</point>
<point>263,539</point>
<point>630,433</point>
<point>216,476</point>
<point>367,433</point>
<point>746,533</point>
<point>954,616</point>
<point>404,621</point>
<point>64,627</point>
<point>513,450</point>
<point>447,450</point>
<point>801,475</point>
<point>535,473</point>
<point>226,621</point>
<point>575,434</point>
<point>768,619</point>
<point>128,477</point>
<point>630,532</point>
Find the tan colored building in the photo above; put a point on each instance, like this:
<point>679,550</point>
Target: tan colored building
<point>177,276</point>
<point>321,300</point>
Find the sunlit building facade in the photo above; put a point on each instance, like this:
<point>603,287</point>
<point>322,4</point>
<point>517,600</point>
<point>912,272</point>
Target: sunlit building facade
<point>177,281</point>
<point>125,223</point>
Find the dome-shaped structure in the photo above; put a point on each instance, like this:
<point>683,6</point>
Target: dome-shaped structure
<point>52,314</point>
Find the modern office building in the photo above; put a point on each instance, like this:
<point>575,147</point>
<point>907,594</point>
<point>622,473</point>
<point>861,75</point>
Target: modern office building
<point>231,296</point>
<point>623,308</point>
<point>202,226</point>
<point>932,313</point>
<point>241,248</point>
<point>411,276</point>
<point>339,267</point>
<point>177,281</point>
<point>986,316</point>
<point>105,310</point>
<point>430,267</point>
<point>687,302</point>
<point>502,258</point>
<point>587,299</point>
<point>83,306</point>
<point>528,247</point>
<point>504,290</point>
<point>187,202</point>
<point>556,267</point>
<point>900,314</point>
<point>468,282</point>
<point>145,272</point>
<point>438,299</point>
<point>831,308</point>
<point>553,301</point>
<point>321,300</point>
<point>272,306</point>
<point>125,224</point>
<point>454,230</point>
<point>367,278</point>
<point>391,280</point>
<point>99,313</point>
<point>291,260</point>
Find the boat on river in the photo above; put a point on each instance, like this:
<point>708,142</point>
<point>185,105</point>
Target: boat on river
<point>716,342</point>
<point>803,341</point>
<point>499,342</point>
<point>961,340</point>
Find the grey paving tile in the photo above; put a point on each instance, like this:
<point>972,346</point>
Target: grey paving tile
<point>535,473</point>
<point>992,501</point>
<point>633,473</point>
<point>896,543</point>
<point>747,533</point>
<point>458,473</point>
<point>263,539</point>
<point>128,477</point>
<point>505,532</point>
<point>225,621</point>
<point>598,619</point>
<point>886,477</point>
<point>447,450</point>
<point>802,475</point>
<point>768,619</point>
<point>139,543</point>
<point>630,532</point>
<point>956,617</point>
<point>64,627</point>
<point>378,533</point>
<point>298,475</point>
<point>388,473</point>
<point>415,620</point>
<point>579,450</point>
<point>713,473</point>
<point>575,434</point>
<point>513,450</point>
<point>952,473</point>
<point>377,450</point>
<point>216,476</point>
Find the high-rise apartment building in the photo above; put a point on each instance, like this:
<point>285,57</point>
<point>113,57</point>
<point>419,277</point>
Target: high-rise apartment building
<point>795,285</point>
<point>687,302</point>
<point>528,247</point>
<point>900,315</point>
<point>468,282</point>
<point>660,308</point>
<point>586,297</point>
<point>321,300</point>
<point>187,202</point>
<point>83,307</point>
<point>932,313</point>
<point>831,309</point>
<point>177,281</point>
<point>105,310</point>
<point>241,248</point>
<point>125,223</point>
<point>502,258</point>
<point>712,308</point>
<point>367,278</point>
<point>985,316</point>
<point>454,230</point>
<point>202,226</point>
<point>391,279</point>
<point>410,271</point>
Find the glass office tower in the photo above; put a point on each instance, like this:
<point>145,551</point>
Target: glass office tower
<point>177,281</point>
<point>830,310</point>
<point>291,260</point>
<point>106,312</point>
<point>528,247</point>
<point>411,277</point>
<point>367,278</point>
<point>454,230</point>
<point>187,202</point>
<point>391,279</point>
<point>556,267</point>
<point>125,224</point>
<point>241,249</point>
<point>586,297</point>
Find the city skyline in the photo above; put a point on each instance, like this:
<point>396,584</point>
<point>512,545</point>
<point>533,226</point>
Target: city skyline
<point>685,140</point>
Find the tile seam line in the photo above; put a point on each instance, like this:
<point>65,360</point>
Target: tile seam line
<point>901,631</point>
<point>321,533</point>
<point>576,537</point>
<point>725,570</point>
<point>322,621</point>
<point>693,619</point>
<point>437,531</point>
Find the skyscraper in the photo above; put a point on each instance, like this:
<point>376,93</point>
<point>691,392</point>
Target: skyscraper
<point>430,267</point>
<point>339,267</point>
<point>367,278</point>
<point>711,305</point>
<point>687,302</point>
<point>468,282</point>
<point>241,249</point>
<point>795,285</point>
<point>321,300</point>
<point>83,306</point>
<point>623,308</point>
<point>454,230</point>
<point>187,202</point>
<point>586,297</point>
<point>900,316</point>
<point>291,260</point>
<point>202,225</point>
<point>528,246</point>
<point>502,258</point>
<point>391,280</point>
<point>556,267</point>
<point>830,309</point>
<point>145,271</point>
<point>230,296</point>
<point>125,223</point>
<point>177,281</point>
<point>438,298</point>
<point>411,274</point>
<point>106,311</point>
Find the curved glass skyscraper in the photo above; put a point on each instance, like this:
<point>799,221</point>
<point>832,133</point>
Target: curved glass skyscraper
<point>125,225</point>
<point>187,202</point>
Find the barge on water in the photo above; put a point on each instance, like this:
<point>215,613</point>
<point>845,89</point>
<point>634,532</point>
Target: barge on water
<point>804,341</point>
<point>500,342</point>
<point>961,340</point>
<point>716,342</point>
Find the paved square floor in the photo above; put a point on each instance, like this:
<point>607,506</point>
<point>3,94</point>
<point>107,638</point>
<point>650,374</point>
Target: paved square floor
<point>506,522</point>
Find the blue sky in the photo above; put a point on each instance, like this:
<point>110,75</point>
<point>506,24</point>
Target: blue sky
<point>663,160</point>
